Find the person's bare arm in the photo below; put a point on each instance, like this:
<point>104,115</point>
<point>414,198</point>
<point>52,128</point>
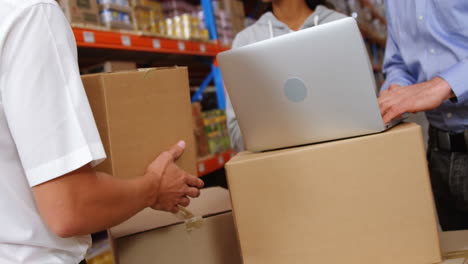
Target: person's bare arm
<point>85,201</point>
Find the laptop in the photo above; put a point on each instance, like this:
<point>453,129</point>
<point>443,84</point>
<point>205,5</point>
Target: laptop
<point>309,86</point>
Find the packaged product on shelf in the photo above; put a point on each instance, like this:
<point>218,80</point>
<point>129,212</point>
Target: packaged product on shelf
<point>177,7</point>
<point>216,131</point>
<point>153,4</point>
<point>199,131</point>
<point>80,11</point>
<point>142,19</point>
<point>115,14</point>
<point>115,19</point>
<point>113,2</point>
<point>223,20</point>
<point>110,66</point>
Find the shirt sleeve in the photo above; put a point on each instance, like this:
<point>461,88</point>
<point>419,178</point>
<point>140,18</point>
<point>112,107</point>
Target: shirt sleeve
<point>394,68</point>
<point>47,110</point>
<point>457,78</point>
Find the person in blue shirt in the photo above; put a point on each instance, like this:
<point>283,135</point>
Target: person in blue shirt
<point>426,68</point>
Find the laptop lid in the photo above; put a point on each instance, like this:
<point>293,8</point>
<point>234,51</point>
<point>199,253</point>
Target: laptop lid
<point>309,86</point>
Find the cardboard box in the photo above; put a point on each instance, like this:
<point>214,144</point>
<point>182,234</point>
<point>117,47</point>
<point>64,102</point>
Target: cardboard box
<point>81,11</point>
<point>110,66</point>
<point>139,115</point>
<point>364,200</point>
<point>159,237</point>
<point>454,246</point>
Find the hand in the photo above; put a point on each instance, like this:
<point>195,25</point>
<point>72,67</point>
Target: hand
<point>172,185</point>
<point>424,96</point>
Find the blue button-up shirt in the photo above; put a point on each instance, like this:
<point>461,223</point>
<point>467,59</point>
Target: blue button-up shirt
<point>426,39</point>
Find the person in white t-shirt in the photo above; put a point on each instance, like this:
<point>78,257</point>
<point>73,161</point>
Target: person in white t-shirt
<point>50,197</point>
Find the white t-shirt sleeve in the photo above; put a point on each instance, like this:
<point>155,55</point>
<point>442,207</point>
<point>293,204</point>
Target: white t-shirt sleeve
<point>47,110</point>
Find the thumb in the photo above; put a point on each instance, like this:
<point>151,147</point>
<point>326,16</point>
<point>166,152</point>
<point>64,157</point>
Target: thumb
<point>177,150</point>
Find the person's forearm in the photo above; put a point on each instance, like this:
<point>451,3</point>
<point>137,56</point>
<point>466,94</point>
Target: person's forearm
<point>92,201</point>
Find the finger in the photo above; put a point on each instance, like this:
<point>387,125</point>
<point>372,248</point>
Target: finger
<point>174,209</point>
<point>177,150</point>
<point>383,108</point>
<point>184,201</point>
<point>192,192</point>
<point>194,181</point>
<point>391,114</point>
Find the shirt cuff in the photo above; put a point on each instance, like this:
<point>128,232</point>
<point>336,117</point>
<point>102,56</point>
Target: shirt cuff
<point>93,153</point>
<point>456,78</point>
<point>390,81</point>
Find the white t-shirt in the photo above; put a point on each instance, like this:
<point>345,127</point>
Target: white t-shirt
<point>46,127</point>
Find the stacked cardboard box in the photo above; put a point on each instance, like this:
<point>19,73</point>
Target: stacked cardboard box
<point>454,247</point>
<point>204,233</point>
<point>361,200</point>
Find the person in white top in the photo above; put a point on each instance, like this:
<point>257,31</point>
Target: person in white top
<point>50,197</point>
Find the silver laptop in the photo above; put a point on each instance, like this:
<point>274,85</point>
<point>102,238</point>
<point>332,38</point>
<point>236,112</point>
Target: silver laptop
<point>309,86</point>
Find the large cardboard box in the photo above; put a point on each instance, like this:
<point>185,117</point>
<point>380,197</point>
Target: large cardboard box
<point>139,115</point>
<point>208,236</point>
<point>454,247</point>
<point>364,200</point>
<point>81,11</point>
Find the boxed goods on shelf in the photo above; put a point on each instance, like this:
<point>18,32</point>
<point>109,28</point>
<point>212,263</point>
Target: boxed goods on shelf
<point>199,130</point>
<point>80,11</point>
<point>148,16</point>
<point>113,2</point>
<point>109,66</point>
<point>115,14</point>
<point>361,200</point>
<point>216,131</point>
<point>177,7</point>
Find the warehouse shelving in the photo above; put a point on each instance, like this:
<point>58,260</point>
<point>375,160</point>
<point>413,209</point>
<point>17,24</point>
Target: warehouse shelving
<point>104,39</point>
<point>213,163</point>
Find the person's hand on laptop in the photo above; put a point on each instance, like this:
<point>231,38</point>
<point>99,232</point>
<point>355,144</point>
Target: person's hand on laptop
<point>424,96</point>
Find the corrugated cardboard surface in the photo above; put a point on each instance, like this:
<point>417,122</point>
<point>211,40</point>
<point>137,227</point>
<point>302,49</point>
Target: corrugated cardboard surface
<point>139,115</point>
<point>454,246</point>
<point>213,200</point>
<point>214,242</point>
<point>364,200</point>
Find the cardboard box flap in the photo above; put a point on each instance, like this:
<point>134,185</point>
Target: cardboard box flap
<point>213,200</point>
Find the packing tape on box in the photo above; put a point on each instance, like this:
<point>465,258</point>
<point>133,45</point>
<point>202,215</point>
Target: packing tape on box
<point>456,255</point>
<point>192,222</point>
